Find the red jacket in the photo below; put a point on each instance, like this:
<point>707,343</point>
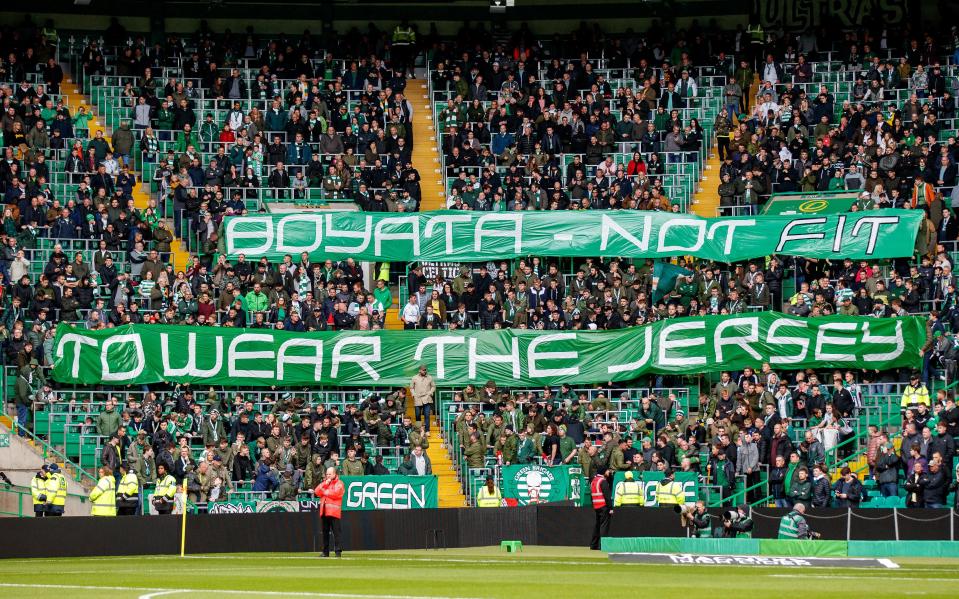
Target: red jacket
<point>330,493</point>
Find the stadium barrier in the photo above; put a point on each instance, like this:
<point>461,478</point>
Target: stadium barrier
<point>781,547</point>
<point>366,530</point>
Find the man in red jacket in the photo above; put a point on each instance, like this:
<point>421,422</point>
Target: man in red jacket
<point>330,492</point>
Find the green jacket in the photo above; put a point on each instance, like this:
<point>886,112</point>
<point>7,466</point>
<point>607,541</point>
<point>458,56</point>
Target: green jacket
<point>509,449</point>
<point>184,141</point>
<point>525,451</point>
<point>475,455</point>
<point>24,389</point>
<point>406,468</point>
<point>164,119</point>
<point>108,421</point>
<point>617,461</point>
<point>257,302</point>
<point>353,467</point>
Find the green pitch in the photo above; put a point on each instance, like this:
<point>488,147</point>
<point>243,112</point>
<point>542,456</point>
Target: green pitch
<point>457,573</point>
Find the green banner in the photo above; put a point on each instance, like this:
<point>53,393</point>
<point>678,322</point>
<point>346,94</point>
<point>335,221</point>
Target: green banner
<point>531,484</point>
<point>690,482</point>
<point>390,492</point>
<point>144,354</point>
<point>454,236</point>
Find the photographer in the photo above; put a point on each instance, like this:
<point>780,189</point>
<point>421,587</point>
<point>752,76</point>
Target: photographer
<point>794,526</point>
<point>697,520</point>
<point>737,523</point>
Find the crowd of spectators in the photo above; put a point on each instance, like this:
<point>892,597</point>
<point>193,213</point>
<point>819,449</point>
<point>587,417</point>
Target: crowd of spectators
<point>340,122</point>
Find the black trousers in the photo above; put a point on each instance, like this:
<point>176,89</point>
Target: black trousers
<point>722,146</point>
<point>601,529</point>
<point>331,524</point>
<point>126,511</point>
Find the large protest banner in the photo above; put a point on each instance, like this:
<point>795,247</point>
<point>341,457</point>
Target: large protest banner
<point>454,236</point>
<point>144,354</point>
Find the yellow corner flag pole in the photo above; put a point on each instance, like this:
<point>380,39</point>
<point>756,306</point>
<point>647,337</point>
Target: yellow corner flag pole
<point>183,523</point>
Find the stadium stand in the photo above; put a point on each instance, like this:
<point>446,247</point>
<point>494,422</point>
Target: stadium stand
<point>120,165</point>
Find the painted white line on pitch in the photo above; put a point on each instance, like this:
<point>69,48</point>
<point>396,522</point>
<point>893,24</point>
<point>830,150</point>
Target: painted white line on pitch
<point>871,576</point>
<point>152,595</point>
<point>165,591</point>
<point>452,560</point>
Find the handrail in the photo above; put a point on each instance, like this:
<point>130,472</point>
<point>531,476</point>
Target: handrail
<point>896,417</point>
<point>50,449</point>
<point>735,496</point>
<point>21,491</point>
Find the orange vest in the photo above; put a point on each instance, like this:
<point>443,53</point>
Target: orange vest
<point>331,497</point>
<point>599,500</point>
<point>928,193</point>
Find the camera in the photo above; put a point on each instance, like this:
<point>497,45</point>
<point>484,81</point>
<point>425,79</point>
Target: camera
<point>731,516</point>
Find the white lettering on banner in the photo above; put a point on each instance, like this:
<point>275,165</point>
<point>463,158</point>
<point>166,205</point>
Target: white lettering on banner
<point>384,496</point>
<point>315,358</point>
<point>840,229</point>
<point>608,225</point>
<point>822,338</point>
<point>362,360</point>
<point>895,339</point>
<point>447,220</point>
<point>775,340</point>
<point>316,239</point>
<point>732,225</point>
<point>642,360</point>
<point>516,234</point>
<point>440,341</point>
<point>412,235</point>
<point>133,371</point>
<point>876,222</point>
<point>532,356</point>
<point>698,225</point>
<point>265,235</point>
<point>511,358</point>
<point>363,236</point>
<point>77,341</point>
<point>741,341</point>
<point>235,355</point>
<point>190,369</point>
<point>666,344</point>
<point>786,236</point>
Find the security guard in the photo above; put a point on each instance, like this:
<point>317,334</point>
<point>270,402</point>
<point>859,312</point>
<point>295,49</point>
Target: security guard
<point>104,495</point>
<point>670,492</point>
<point>38,489</point>
<point>489,495</point>
<point>401,51</point>
<point>165,491</point>
<point>628,492</point>
<point>56,491</point>
<point>602,505</point>
<point>128,491</point>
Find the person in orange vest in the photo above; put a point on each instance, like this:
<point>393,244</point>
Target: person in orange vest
<point>923,193</point>
<point>602,505</point>
<point>330,492</point>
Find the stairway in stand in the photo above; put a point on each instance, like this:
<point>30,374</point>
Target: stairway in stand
<point>706,198</point>
<point>426,157</point>
<point>448,487</point>
<point>141,192</point>
<point>426,160</point>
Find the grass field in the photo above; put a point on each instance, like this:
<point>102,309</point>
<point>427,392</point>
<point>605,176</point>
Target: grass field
<point>484,572</point>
